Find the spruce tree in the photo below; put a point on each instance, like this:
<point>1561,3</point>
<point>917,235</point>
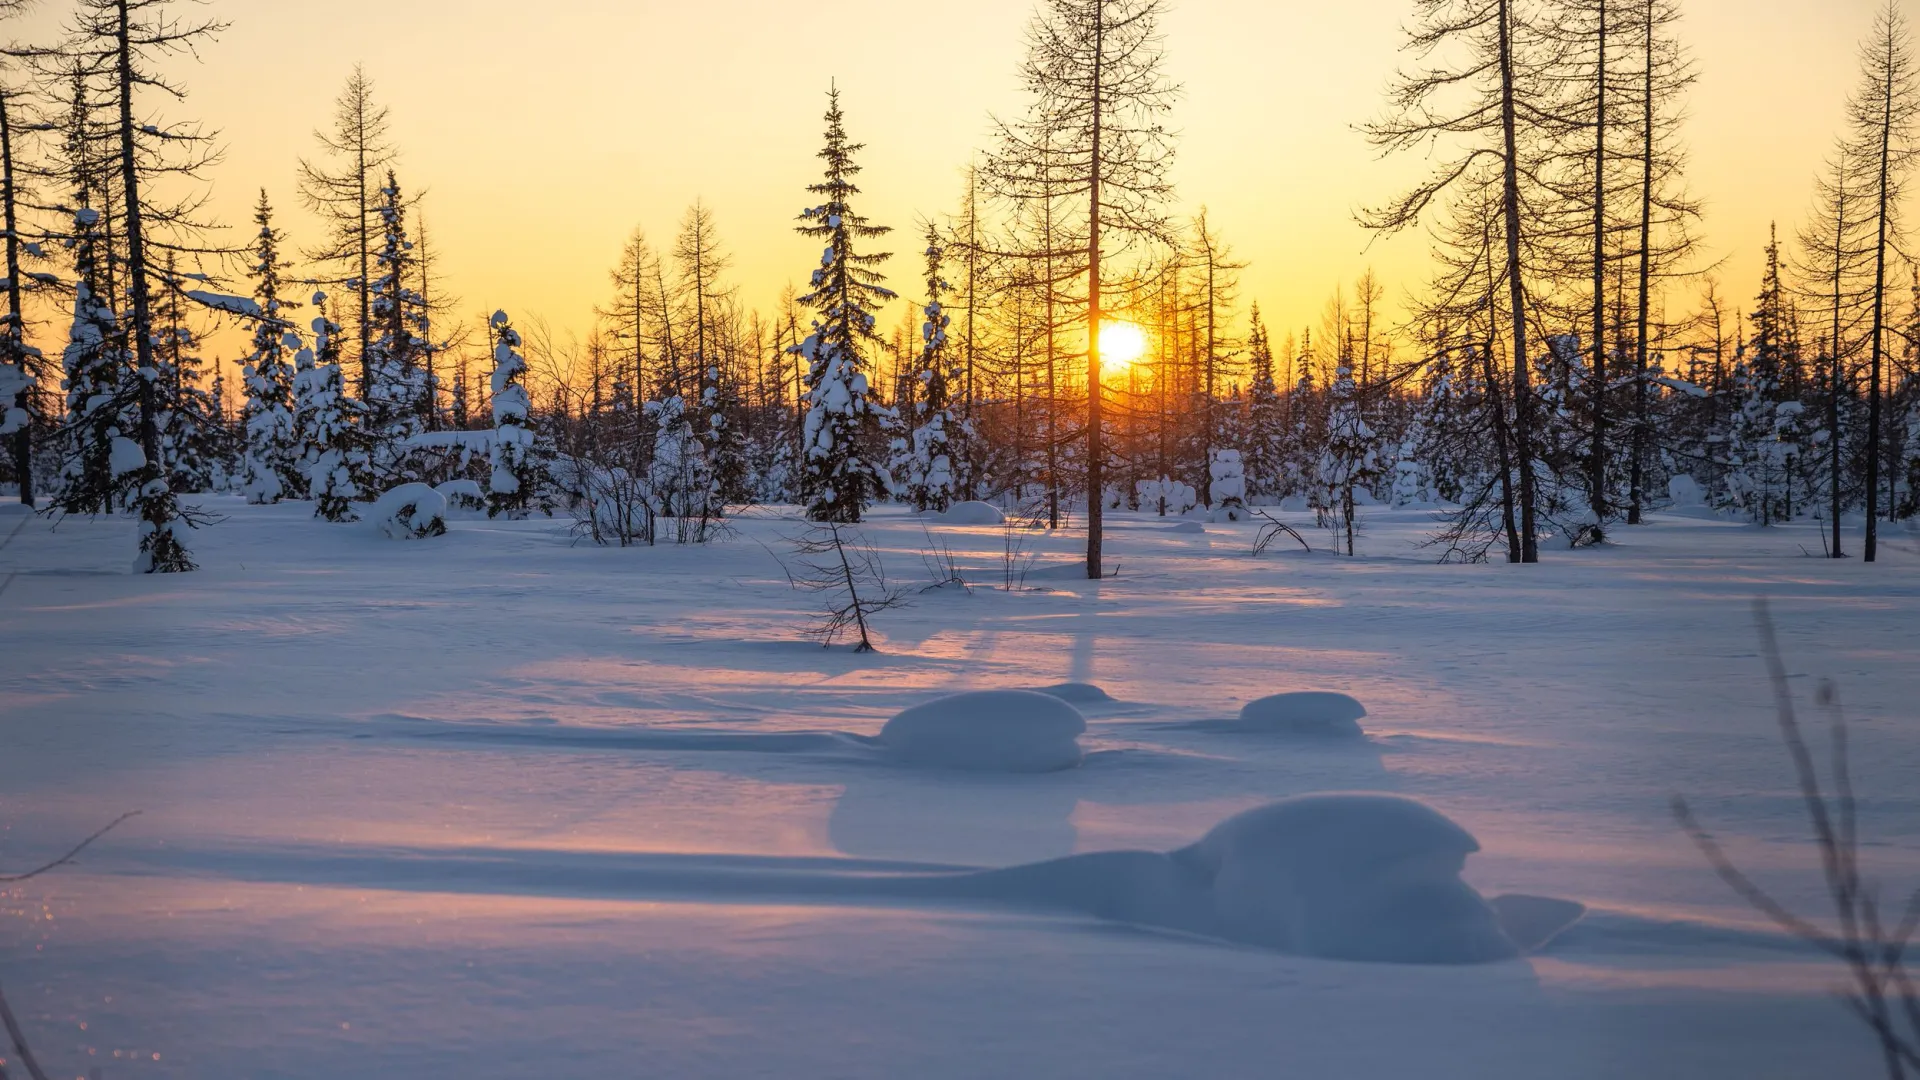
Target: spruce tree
<point>273,443</point>
<point>842,436</point>
<point>930,480</point>
<point>397,386</point>
<point>514,482</point>
<point>1263,449</point>
<point>97,371</point>
<point>1348,459</point>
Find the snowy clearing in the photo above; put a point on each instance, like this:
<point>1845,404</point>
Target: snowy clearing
<point>494,804</point>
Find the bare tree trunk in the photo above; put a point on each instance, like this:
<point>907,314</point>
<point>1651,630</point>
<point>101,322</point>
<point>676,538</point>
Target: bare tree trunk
<point>1516,290</point>
<point>1870,546</point>
<point>1095,447</point>
<point>15,329</point>
<point>1597,464</point>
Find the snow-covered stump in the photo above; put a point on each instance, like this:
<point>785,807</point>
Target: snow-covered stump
<point>1015,731</point>
<point>410,512</point>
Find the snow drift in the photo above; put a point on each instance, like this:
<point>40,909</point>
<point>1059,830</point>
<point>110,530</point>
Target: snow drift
<point>988,730</point>
<point>1360,877</point>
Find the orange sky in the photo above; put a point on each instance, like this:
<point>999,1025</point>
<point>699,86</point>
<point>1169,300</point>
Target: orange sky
<point>546,131</point>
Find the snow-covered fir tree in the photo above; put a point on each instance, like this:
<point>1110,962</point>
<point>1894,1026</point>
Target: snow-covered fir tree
<point>842,439</point>
<point>273,465</point>
<point>328,420</point>
<point>99,455</point>
<point>1263,449</point>
<point>930,479</point>
<point>513,486</point>
<point>1349,460</point>
<point>399,398</point>
<point>726,445</point>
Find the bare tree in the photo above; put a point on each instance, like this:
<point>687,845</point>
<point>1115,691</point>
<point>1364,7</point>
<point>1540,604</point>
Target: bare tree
<point>841,564</point>
<point>345,191</point>
<point>1480,83</point>
<point>1881,117</point>
<point>1094,134</point>
<point>1884,995</point>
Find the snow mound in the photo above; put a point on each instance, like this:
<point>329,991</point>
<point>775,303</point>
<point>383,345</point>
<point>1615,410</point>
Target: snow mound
<point>410,512</point>
<point>973,513</point>
<point>1307,712</point>
<point>465,494</point>
<point>1349,877</point>
<point>1189,527</point>
<point>988,730</point>
<point>1077,693</point>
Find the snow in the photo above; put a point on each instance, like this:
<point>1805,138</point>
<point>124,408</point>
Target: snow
<point>409,512</point>
<point>126,457</point>
<point>1018,731</point>
<point>972,513</point>
<point>1306,712</point>
<point>426,810</point>
<point>465,494</point>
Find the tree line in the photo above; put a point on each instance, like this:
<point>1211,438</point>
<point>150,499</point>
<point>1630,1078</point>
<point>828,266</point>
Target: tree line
<point>1568,365</point>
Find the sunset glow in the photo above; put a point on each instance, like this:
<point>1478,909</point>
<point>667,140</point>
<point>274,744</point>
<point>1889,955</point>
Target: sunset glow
<point>1122,344</point>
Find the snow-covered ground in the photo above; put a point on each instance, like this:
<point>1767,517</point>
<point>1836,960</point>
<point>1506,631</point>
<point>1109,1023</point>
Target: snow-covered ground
<point>498,805</point>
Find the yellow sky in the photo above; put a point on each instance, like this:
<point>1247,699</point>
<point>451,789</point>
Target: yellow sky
<point>545,131</point>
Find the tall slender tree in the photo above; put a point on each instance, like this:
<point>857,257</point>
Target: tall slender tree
<point>843,472</point>
<point>1881,118</point>
<point>1094,134</point>
<point>343,187</point>
<point>1480,87</point>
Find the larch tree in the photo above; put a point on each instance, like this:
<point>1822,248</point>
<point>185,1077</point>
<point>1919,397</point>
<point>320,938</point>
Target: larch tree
<point>1094,134</point>
<point>1881,117</point>
<point>343,187</point>
<point>843,475</point>
<point>123,43</point>
<point>1476,98</point>
<point>1834,271</point>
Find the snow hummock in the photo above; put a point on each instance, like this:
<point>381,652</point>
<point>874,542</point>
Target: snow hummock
<point>973,513</point>
<point>1349,877</point>
<point>1077,693</point>
<point>988,730</point>
<point>410,512</point>
<point>1305,712</point>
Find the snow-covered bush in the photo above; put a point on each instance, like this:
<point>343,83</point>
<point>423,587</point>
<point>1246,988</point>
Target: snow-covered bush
<point>1165,496</point>
<point>463,494</point>
<point>410,512</point>
<point>1229,485</point>
<point>334,454</point>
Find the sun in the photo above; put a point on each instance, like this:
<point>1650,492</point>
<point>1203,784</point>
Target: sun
<point>1122,344</point>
